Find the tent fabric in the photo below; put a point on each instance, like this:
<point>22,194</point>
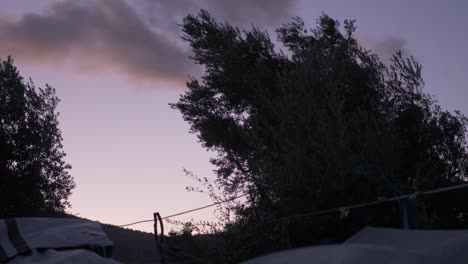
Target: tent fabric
<point>52,256</point>
<point>29,240</point>
<point>435,243</point>
<point>382,245</point>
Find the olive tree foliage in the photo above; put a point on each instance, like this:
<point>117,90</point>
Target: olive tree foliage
<point>321,124</point>
<point>34,178</point>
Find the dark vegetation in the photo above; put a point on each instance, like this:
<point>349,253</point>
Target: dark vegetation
<point>321,125</point>
<point>131,246</point>
<point>34,178</point>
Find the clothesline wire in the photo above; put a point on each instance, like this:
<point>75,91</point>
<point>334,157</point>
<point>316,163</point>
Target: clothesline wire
<point>188,211</point>
<point>384,200</point>
<point>337,209</point>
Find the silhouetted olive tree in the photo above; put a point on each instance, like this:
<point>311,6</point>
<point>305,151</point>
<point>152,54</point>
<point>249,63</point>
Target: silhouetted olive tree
<point>321,125</point>
<point>34,178</point>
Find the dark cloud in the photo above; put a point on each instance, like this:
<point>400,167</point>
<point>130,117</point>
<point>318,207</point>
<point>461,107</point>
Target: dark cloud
<point>166,15</point>
<point>384,48</point>
<point>137,38</point>
<point>239,12</point>
<point>102,33</point>
<point>247,12</point>
<point>5,18</point>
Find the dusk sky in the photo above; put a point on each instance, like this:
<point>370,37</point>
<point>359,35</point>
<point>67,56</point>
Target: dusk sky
<point>117,64</point>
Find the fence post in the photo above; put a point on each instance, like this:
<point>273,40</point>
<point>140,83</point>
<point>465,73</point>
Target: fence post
<point>159,239</point>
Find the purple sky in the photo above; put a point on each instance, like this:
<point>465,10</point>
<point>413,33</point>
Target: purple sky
<point>117,65</point>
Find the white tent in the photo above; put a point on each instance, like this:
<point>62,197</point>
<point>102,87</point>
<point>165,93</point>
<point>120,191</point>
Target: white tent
<point>53,240</point>
<point>383,246</point>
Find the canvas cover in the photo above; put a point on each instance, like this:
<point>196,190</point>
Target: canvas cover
<point>382,245</point>
<point>53,240</point>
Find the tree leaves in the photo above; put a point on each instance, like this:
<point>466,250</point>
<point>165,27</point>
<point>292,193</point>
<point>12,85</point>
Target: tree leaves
<point>34,178</point>
<point>324,125</point>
